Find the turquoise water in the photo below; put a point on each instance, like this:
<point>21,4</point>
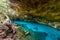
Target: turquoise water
<point>40,31</point>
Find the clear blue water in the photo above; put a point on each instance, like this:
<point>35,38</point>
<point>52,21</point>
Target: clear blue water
<point>40,31</point>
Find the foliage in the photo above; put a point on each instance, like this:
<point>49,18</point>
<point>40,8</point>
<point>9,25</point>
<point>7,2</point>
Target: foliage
<point>38,11</point>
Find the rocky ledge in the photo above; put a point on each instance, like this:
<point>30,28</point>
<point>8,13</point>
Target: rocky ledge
<point>8,31</point>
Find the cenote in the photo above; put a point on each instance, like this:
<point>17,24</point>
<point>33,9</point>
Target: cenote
<point>40,31</point>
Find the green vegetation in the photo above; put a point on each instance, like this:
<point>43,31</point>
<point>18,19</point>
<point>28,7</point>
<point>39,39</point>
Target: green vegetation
<point>43,11</point>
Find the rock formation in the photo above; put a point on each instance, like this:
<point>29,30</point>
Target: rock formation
<point>8,32</point>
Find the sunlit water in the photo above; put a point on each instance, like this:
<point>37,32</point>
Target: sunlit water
<point>40,31</point>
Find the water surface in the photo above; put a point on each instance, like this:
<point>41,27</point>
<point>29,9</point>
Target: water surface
<point>40,31</point>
